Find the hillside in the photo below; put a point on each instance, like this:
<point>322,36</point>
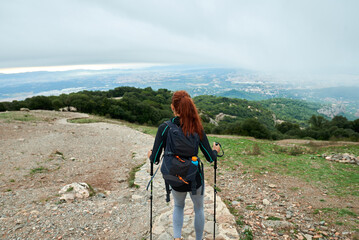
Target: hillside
<point>267,119</point>
<point>273,189</point>
<point>291,110</point>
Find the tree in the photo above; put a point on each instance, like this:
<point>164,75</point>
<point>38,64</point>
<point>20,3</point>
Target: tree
<point>355,125</point>
<point>340,122</point>
<point>2,107</point>
<point>317,121</point>
<point>39,102</point>
<point>287,126</point>
<point>252,127</point>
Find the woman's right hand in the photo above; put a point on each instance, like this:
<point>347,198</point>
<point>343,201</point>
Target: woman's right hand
<point>216,147</point>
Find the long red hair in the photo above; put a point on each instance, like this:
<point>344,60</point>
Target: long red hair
<point>186,109</point>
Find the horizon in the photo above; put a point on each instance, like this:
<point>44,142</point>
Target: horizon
<point>279,37</point>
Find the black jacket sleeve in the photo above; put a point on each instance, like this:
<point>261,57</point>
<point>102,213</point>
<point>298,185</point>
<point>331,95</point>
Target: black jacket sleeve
<point>211,155</point>
<point>159,144</point>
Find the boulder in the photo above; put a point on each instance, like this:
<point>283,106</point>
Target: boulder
<point>74,190</point>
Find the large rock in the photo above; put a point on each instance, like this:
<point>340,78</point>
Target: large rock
<point>74,190</point>
<point>342,158</point>
<point>277,224</point>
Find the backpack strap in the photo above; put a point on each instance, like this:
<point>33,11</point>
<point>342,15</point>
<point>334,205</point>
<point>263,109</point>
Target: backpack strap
<point>202,177</point>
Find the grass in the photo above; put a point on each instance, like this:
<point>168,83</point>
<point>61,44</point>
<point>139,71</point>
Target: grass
<point>252,207</point>
<point>248,235</point>
<point>12,180</point>
<point>93,119</point>
<point>18,116</point>
<point>91,190</point>
<point>145,129</point>
<point>273,218</point>
<point>132,174</point>
<point>299,162</point>
<point>240,221</point>
<point>339,211</point>
<point>231,209</point>
<point>85,120</point>
<point>40,169</point>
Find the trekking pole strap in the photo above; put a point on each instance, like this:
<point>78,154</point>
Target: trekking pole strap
<point>220,155</point>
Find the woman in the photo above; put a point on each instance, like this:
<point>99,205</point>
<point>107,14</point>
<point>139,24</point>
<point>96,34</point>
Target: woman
<point>187,118</point>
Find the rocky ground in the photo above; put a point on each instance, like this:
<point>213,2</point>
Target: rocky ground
<point>40,156</point>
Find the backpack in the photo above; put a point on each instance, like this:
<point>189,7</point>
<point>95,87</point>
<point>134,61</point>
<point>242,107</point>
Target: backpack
<point>180,161</point>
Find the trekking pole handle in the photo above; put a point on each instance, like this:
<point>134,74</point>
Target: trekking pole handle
<point>219,155</point>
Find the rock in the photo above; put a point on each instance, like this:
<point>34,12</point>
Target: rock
<point>272,185</point>
<point>68,109</point>
<point>68,197</point>
<point>121,180</point>
<point>308,237</point>
<point>322,223</point>
<point>75,190</point>
<point>135,197</point>
<point>277,224</point>
<point>25,109</point>
<point>101,195</point>
<point>234,203</point>
<point>266,202</point>
<point>164,236</point>
<point>208,227</point>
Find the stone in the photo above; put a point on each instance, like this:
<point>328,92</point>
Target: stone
<point>272,185</point>
<point>225,219</point>
<point>164,236</point>
<point>136,197</point>
<point>277,224</point>
<point>308,236</point>
<point>266,202</point>
<point>121,180</point>
<point>208,227</point>
<point>101,195</point>
<point>78,190</point>
<point>68,197</point>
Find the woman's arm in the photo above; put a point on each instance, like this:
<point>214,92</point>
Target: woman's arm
<point>209,153</point>
<point>160,143</point>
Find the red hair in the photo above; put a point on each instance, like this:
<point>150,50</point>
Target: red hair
<point>186,109</point>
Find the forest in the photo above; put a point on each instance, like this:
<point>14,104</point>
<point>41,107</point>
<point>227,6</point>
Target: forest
<point>220,115</point>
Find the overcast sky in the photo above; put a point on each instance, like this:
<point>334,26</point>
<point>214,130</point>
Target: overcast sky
<point>319,36</point>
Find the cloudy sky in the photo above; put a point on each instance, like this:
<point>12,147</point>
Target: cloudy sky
<point>318,36</point>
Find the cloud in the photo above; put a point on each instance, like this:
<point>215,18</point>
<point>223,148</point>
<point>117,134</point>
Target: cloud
<point>314,36</point>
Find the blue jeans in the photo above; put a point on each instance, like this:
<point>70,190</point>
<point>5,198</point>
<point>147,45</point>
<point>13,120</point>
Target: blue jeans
<point>179,201</point>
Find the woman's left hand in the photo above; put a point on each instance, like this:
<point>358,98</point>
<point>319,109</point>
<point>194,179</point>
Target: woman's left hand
<point>149,153</point>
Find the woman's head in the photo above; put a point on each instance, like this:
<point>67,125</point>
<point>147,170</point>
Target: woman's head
<point>184,107</point>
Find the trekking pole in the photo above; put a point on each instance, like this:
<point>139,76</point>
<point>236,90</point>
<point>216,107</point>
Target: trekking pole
<point>215,189</point>
<point>215,194</point>
<point>151,197</point>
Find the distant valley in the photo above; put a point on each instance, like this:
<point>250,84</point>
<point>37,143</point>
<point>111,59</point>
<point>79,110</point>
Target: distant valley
<point>329,99</point>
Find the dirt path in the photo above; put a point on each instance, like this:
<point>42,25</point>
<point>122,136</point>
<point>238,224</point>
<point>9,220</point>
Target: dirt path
<point>39,157</point>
